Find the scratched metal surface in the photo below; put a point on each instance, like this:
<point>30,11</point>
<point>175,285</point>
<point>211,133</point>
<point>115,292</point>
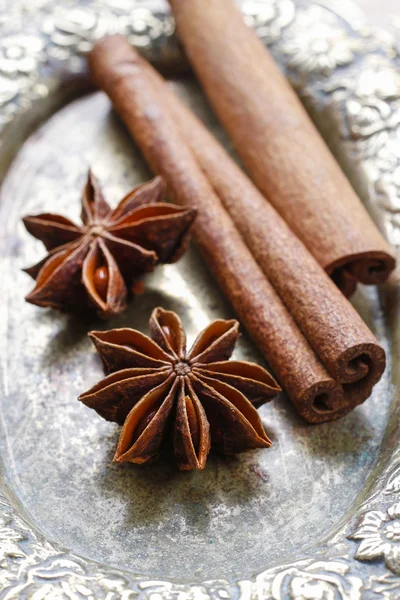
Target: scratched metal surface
<point>315,518</point>
<point>239,514</point>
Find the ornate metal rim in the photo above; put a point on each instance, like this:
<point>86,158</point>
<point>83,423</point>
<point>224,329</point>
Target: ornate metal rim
<point>348,78</point>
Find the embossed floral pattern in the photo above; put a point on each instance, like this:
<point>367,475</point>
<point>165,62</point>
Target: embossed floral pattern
<point>367,104</point>
<point>268,19</point>
<point>308,580</point>
<point>10,542</point>
<point>317,46</point>
<point>142,27</point>
<point>393,484</point>
<point>386,165</point>
<point>385,587</point>
<point>377,79</point>
<point>74,30</point>
<point>20,59</point>
<point>387,187</point>
<point>162,590</point>
<point>16,94</point>
<point>21,54</point>
<point>379,533</point>
<point>366,118</point>
<point>62,577</point>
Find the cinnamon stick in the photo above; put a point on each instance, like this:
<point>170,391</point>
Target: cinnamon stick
<point>129,82</point>
<point>332,326</point>
<point>279,145</point>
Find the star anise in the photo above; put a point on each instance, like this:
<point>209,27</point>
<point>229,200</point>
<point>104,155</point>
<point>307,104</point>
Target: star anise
<point>201,397</point>
<point>94,264</point>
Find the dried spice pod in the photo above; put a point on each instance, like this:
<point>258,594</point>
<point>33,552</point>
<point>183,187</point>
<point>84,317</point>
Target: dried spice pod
<point>94,265</point>
<point>156,387</point>
<point>279,145</point>
<point>316,395</point>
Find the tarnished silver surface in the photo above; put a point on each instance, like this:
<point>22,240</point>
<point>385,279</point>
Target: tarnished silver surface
<point>318,515</point>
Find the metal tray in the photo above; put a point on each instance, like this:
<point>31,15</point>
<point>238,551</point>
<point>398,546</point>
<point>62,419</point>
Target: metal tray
<point>315,517</point>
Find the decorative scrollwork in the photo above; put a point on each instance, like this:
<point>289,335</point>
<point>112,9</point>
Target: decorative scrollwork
<point>142,27</point>
<point>65,577</point>
<point>20,59</point>
<point>318,580</point>
<point>379,533</point>
<point>73,30</point>
<point>269,19</point>
<point>21,55</point>
<point>317,45</point>
<point>366,104</point>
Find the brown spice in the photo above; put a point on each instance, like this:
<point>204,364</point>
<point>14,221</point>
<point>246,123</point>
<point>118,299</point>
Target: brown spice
<point>92,265</point>
<point>316,395</point>
<point>279,145</point>
<point>331,325</point>
<point>155,384</point>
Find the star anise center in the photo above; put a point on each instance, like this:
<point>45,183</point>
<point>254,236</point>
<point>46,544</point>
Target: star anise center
<point>182,368</point>
<point>96,230</point>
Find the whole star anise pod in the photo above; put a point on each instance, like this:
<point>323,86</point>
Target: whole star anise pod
<point>201,397</point>
<point>94,264</point>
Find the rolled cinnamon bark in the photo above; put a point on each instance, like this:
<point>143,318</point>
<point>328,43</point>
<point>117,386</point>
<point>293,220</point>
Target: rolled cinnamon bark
<point>332,326</point>
<point>279,145</point>
<point>318,397</point>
